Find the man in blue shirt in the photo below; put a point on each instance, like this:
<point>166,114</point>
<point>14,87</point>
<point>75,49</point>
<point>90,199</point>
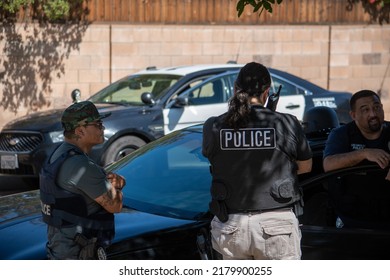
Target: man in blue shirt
<point>365,138</point>
<point>361,200</point>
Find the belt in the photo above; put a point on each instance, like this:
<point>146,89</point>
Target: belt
<point>257,211</point>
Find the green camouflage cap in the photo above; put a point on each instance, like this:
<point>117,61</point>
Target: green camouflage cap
<point>80,113</point>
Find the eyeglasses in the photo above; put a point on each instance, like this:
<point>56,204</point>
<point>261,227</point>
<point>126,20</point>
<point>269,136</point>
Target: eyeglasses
<point>98,125</point>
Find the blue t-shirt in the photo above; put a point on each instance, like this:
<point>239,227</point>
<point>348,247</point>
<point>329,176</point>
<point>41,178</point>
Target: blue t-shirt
<point>347,138</point>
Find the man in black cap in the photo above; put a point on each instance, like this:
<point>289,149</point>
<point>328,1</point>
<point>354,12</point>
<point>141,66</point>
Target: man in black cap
<point>78,198</point>
<point>255,155</point>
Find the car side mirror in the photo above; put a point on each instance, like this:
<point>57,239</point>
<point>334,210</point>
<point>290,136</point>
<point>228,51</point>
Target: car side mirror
<point>181,102</point>
<point>76,95</point>
<point>147,98</point>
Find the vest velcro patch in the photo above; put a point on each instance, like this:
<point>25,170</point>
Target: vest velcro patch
<point>247,139</point>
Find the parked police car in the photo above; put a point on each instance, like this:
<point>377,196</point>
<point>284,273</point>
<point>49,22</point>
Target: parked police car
<point>139,107</point>
<point>296,97</point>
<point>147,105</point>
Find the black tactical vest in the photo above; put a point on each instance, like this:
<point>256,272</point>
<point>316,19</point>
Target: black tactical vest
<point>265,170</point>
<point>62,208</point>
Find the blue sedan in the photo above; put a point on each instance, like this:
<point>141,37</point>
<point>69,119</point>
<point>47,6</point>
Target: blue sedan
<point>165,214</point>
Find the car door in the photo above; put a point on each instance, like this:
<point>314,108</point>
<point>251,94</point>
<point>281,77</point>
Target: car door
<point>197,104</point>
<point>323,234</point>
<point>292,97</point>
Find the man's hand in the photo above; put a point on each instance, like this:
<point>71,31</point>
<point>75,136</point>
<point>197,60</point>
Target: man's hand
<point>337,161</point>
<point>117,181</point>
<point>113,198</point>
<point>388,176</point>
<point>381,157</point>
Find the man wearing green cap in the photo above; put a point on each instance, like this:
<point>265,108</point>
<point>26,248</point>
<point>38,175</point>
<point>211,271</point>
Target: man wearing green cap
<point>78,197</point>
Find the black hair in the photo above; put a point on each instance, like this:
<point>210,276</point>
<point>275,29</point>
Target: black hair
<point>361,94</point>
<point>252,81</point>
<point>239,109</point>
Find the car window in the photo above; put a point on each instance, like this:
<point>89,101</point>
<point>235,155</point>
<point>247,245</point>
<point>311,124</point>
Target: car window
<point>129,89</point>
<point>171,178</point>
<point>185,87</point>
<point>287,88</point>
<point>212,92</point>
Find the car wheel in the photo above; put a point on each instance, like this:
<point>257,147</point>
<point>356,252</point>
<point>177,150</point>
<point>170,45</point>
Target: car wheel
<point>122,147</point>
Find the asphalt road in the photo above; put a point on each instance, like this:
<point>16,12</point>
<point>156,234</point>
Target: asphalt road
<point>12,185</point>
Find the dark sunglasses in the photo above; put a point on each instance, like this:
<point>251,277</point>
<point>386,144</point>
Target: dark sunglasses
<point>98,125</point>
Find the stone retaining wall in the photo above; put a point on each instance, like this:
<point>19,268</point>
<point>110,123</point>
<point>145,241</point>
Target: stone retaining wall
<point>40,67</point>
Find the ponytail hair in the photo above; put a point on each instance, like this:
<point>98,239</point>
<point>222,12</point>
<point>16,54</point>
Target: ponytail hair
<point>239,109</point>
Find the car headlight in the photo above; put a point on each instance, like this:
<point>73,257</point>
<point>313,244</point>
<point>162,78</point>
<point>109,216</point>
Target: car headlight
<point>56,136</point>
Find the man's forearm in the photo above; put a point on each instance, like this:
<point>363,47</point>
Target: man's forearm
<point>343,160</point>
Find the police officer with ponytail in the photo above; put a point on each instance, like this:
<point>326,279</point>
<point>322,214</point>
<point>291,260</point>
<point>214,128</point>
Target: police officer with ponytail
<point>255,156</point>
<point>78,197</point>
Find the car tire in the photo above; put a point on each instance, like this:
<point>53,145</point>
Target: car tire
<point>122,147</point>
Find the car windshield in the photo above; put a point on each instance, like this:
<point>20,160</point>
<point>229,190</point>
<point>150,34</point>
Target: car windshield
<point>128,90</point>
<point>168,177</point>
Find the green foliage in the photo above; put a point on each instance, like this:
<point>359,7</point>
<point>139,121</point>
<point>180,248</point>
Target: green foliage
<point>56,9</point>
<point>13,6</point>
<point>42,10</point>
<point>257,5</point>
<point>379,10</point>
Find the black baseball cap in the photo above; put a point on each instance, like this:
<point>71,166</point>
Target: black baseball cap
<point>254,78</point>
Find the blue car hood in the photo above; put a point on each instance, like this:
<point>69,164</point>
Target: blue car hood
<point>23,233</point>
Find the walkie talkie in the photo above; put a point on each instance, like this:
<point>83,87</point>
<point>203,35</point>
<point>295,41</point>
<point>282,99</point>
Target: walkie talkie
<point>273,99</point>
